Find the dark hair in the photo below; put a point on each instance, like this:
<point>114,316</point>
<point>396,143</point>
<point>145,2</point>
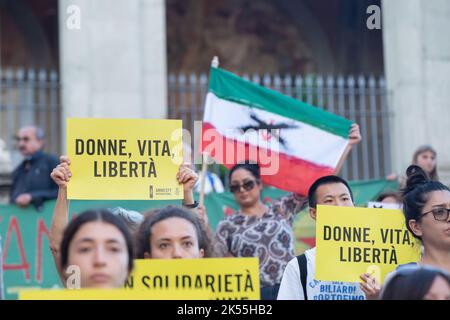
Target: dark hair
<point>393,194</point>
<point>253,168</point>
<point>145,230</point>
<point>433,174</point>
<point>415,194</point>
<point>312,197</point>
<point>411,286</point>
<point>100,215</point>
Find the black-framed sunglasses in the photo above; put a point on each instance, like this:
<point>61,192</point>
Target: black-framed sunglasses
<point>439,214</point>
<point>247,185</point>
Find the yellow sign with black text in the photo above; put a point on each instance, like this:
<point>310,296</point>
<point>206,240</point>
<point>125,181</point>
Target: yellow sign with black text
<point>124,159</point>
<point>223,278</point>
<point>112,294</point>
<point>352,241</point>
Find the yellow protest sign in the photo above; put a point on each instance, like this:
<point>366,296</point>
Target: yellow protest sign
<point>124,159</point>
<point>353,241</point>
<point>112,294</point>
<point>224,278</point>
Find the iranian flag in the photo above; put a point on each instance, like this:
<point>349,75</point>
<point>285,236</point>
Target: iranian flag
<point>294,142</point>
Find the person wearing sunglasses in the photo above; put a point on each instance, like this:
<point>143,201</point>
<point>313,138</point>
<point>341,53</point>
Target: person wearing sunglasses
<point>260,230</point>
<point>415,282</point>
<point>31,183</point>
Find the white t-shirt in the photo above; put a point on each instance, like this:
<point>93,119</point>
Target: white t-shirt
<point>291,287</point>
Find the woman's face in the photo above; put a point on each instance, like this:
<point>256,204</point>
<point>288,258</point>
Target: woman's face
<point>433,232</point>
<point>439,290</point>
<point>427,161</point>
<point>174,238</point>
<point>245,198</point>
<point>100,251</point>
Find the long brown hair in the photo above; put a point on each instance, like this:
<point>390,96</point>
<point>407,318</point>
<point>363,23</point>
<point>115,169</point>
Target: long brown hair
<point>433,174</point>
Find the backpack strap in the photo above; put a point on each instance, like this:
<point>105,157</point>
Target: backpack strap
<point>303,272</point>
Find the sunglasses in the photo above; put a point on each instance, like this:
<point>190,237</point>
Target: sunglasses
<point>439,214</point>
<point>247,185</point>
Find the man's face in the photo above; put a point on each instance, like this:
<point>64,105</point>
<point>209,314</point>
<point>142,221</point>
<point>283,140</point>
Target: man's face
<point>332,194</point>
<point>28,142</point>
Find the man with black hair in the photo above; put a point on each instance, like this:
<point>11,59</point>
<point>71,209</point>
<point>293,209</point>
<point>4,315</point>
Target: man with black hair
<point>31,182</point>
<point>299,281</point>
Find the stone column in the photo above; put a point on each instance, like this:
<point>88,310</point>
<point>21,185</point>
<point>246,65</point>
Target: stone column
<point>114,64</point>
<point>417,64</point>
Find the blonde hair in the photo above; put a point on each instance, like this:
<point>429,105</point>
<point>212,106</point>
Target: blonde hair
<point>433,174</point>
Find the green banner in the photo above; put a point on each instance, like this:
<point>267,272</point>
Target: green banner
<point>28,262</point>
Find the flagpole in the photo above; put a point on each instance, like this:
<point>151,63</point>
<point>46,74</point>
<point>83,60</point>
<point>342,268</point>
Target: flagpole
<point>205,156</point>
<point>201,199</point>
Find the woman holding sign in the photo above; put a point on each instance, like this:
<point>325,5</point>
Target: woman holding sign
<point>62,174</point>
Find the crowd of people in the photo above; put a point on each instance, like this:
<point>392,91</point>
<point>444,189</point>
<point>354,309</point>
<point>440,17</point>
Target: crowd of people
<point>103,243</point>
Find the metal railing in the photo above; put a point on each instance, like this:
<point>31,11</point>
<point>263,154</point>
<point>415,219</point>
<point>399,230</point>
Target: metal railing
<point>361,99</point>
<point>30,97</point>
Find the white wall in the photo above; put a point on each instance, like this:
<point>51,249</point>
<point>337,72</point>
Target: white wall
<point>5,158</point>
<point>416,35</point>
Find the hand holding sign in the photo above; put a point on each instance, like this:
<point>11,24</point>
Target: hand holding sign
<point>370,286</point>
<point>187,177</point>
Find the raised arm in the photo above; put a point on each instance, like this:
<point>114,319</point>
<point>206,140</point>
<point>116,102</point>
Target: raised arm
<point>60,219</point>
<point>354,138</point>
<point>289,205</point>
<point>188,178</point>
